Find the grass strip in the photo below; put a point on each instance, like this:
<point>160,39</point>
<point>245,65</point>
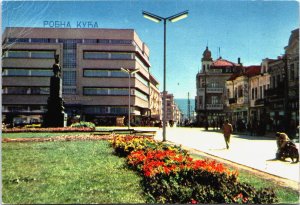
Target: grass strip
<point>66,172</point>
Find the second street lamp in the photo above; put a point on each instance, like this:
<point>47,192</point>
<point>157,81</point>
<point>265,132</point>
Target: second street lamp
<point>157,19</point>
<point>129,72</point>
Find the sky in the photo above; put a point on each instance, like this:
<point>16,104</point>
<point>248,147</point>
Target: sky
<point>250,30</point>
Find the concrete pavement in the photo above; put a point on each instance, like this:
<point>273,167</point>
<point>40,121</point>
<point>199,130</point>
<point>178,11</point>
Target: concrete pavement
<point>252,151</point>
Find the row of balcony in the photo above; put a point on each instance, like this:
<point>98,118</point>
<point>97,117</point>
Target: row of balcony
<point>213,106</point>
<point>257,102</point>
<point>211,90</point>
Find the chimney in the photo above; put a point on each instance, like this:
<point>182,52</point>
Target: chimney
<point>239,60</point>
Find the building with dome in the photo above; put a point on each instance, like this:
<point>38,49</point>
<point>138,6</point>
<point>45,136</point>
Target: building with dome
<point>211,91</point>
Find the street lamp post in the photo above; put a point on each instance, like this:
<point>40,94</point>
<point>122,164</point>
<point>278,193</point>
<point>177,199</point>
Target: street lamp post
<point>129,72</point>
<point>157,19</point>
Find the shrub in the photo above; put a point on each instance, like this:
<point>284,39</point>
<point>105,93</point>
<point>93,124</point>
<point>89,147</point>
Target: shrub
<point>33,126</point>
<point>83,124</point>
<point>126,144</point>
<point>170,175</point>
<point>49,129</point>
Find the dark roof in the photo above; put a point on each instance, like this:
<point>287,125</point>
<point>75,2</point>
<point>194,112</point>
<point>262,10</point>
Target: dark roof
<point>252,70</point>
<point>248,71</point>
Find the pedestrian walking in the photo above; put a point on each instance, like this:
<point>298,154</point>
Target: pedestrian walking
<point>227,130</point>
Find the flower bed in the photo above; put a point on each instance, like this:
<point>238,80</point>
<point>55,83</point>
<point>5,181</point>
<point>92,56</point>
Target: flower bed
<point>170,175</point>
<point>55,129</point>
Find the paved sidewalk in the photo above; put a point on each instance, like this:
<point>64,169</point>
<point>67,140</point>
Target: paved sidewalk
<point>255,152</point>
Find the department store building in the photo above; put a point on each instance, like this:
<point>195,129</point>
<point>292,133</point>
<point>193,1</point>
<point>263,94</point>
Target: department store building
<point>94,86</point>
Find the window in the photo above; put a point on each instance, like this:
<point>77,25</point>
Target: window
<point>141,95</point>
<point>105,91</point>
<point>42,54</point>
<point>142,64</point>
<point>240,90</point>
<point>255,93</point>
<point>103,41</point>
<point>252,93</point>
<point>215,85</point>
<point>95,91</point>
<point>104,73</point>
<point>214,100</point>
<point>260,92</point>
<point>43,40</point>
<point>121,42</point>
<point>121,56</point>
<point>26,90</point>
<point>69,52</point>
<point>273,82</point>
<point>235,93</point>
<point>118,91</point>
<point>69,91</point>
<point>30,54</point>
<point>27,72</point>
<point>69,78</point>
<point>106,55</point>
<point>40,90</point>
<point>17,108</point>
<point>95,110</point>
<point>95,55</point>
<point>44,73</point>
<point>16,90</point>
<point>18,54</point>
<point>116,73</point>
<point>292,72</point>
<point>140,78</point>
<point>18,40</point>
<point>95,73</point>
<point>119,110</point>
<point>90,41</point>
<point>16,72</point>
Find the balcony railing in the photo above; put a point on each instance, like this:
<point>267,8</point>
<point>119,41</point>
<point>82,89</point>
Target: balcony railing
<point>259,102</point>
<point>211,107</point>
<point>214,106</point>
<point>275,92</point>
<point>211,90</point>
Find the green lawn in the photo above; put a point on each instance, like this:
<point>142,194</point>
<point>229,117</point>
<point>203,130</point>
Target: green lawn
<point>81,172</point>
<point>66,172</point>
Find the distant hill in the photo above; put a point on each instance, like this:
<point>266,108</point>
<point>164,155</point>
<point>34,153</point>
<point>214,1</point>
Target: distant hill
<point>183,105</point>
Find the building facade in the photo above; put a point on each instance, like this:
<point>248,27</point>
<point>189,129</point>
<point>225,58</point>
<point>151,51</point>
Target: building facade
<point>94,87</point>
<point>173,115</point>
<point>239,95</point>
<point>210,102</point>
<point>155,100</point>
<point>283,95</point>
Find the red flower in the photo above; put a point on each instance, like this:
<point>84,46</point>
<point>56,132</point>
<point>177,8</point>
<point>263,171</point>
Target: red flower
<point>193,201</point>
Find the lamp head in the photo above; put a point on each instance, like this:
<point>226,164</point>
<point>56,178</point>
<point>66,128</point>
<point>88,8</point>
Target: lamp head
<point>152,17</point>
<point>178,17</point>
<point>125,70</point>
<point>134,70</point>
